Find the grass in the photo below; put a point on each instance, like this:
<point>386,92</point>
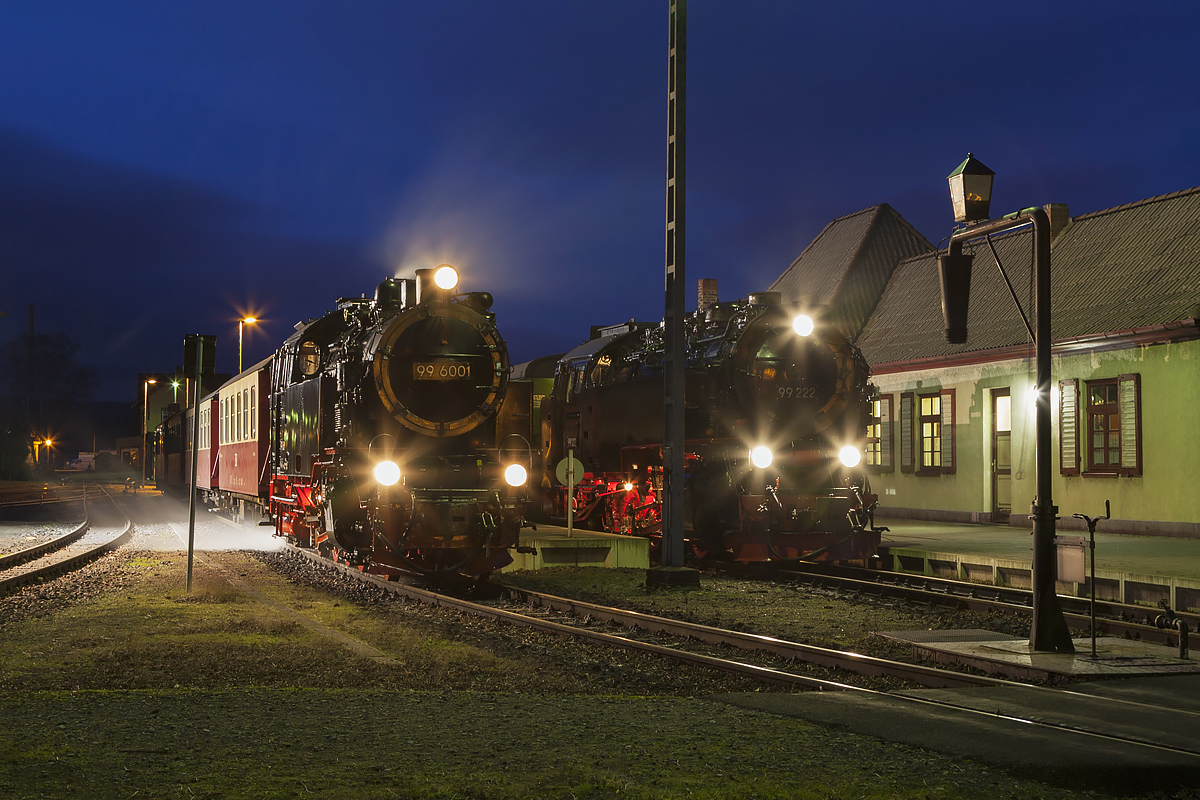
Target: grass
<point>145,691</point>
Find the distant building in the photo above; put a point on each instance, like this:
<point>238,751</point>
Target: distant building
<point>953,427</point>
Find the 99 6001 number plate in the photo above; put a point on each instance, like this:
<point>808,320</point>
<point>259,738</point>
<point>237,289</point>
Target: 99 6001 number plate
<point>441,371</point>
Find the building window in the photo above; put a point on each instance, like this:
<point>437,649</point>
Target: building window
<point>879,434</point>
<point>931,432</point>
<point>1113,426</point>
<point>927,433</point>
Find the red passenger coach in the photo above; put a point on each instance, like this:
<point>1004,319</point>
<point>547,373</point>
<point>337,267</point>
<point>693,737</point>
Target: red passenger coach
<point>242,412</point>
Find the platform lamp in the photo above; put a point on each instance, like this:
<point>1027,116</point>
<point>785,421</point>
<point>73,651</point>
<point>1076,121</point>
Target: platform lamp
<point>145,418</point>
<point>241,323</point>
<point>971,195</point>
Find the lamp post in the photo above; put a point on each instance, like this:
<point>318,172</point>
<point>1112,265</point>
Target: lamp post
<point>175,387</point>
<point>970,191</point>
<point>241,323</point>
<point>145,418</point>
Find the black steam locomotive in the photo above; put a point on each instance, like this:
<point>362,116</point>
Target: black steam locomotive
<point>774,420</point>
<point>386,434</point>
<point>398,442</point>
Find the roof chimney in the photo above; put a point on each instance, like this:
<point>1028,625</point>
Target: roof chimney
<point>1060,218</point>
<point>707,294</point>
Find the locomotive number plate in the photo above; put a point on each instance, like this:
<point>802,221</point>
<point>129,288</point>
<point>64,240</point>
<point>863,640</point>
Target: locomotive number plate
<point>441,370</point>
<point>797,393</point>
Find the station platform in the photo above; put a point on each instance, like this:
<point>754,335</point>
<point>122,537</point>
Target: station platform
<point>582,548</point>
<point>1129,568</point>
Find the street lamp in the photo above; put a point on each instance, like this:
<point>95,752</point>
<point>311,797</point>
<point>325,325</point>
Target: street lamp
<point>970,193</point>
<point>242,322</point>
<point>175,387</point>
<point>145,419</point>
<point>971,190</point>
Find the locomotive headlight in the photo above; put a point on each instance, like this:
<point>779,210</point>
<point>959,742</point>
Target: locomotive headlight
<point>850,456</point>
<point>761,457</point>
<point>803,324</point>
<point>387,472</point>
<point>515,475</point>
<point>628,486</point>
<point>446,277</point>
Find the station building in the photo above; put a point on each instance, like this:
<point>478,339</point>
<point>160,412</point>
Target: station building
<point>952,434</point>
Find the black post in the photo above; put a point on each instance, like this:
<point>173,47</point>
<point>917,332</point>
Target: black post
<point>672,570</point>
<point>199,342</point>
<point>1049,632</point>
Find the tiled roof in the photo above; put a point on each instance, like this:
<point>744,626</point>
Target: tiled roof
<point>1126,268</point>
<point>846,267</point>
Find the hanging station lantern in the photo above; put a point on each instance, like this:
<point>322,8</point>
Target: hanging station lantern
<point>971,190</point>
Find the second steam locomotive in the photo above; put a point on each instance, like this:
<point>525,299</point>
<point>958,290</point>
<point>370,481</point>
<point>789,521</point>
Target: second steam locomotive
<point>775,407</point>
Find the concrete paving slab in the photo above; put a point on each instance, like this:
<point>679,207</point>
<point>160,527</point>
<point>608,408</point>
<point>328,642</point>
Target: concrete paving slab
<point>1015,658</point>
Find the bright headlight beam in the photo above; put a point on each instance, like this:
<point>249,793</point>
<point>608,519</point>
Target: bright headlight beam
<point>761,457</point>
<point>387,473</point>
<point>803,324</point>
<point>850,456</point>
<point>446,277</point>
<point>515,475</point>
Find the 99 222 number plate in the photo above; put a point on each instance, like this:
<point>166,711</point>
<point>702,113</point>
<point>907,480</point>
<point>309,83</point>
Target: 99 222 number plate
<point>441,371</point>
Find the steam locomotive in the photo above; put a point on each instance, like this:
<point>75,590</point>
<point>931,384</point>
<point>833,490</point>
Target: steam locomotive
<point>774,423</point>
<point>391,439</point>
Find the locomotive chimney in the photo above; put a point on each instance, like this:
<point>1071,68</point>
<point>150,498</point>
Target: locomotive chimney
<point>707,294</point>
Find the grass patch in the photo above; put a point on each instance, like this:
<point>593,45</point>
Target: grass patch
<point>359,744</point>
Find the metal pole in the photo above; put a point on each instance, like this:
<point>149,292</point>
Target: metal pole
<point>674,346</point>
<point>570,492</point>
<point>195,451</point>
<point>240,325</point>
<point>1049,632</point>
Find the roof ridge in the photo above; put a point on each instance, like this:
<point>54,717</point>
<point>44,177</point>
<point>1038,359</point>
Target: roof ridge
<point>825,230</point>
<point>1134,204</point>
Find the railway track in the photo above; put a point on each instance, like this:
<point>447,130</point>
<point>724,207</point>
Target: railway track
<point>104,528</point>
<point>1088,719</point>
<point>1113,619</point>
<point>584,620</point>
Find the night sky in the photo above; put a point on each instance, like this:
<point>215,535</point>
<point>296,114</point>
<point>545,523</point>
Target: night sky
<point>166,167</point>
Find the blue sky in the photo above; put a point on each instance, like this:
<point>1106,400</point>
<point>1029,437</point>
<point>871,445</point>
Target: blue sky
<point>165,167</point>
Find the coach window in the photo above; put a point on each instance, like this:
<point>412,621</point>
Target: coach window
<point>253,405</point>
<point>1112,419</point>
<point>879,434</point>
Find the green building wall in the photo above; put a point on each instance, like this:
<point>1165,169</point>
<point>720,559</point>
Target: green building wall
<point>1164,499</point>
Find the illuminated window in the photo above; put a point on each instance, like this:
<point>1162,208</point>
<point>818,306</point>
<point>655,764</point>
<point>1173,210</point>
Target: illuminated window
<point>931,431</point>
<point>879,434</point>
<point>927,433</point>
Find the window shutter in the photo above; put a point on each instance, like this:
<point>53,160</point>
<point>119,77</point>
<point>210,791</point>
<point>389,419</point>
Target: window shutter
<point>947,430</point>
<point>885,434</point>
<point>1068,426</point>
<point>1129,402</point>
<point>907,404</point>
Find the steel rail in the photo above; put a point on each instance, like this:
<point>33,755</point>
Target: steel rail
<point>39,550</point>
<point>73,562</point>
<point>971,596</point>
<point>851,662</point>
<point>857,663</point>
<point>749,670</point>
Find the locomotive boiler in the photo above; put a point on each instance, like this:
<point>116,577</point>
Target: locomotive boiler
<point>397,441</point>
<point>774,429</point>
